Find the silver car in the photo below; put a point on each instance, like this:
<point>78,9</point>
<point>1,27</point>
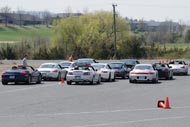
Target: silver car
<point>52,71</point>
<point>143,73</point>
<point>179,67</point>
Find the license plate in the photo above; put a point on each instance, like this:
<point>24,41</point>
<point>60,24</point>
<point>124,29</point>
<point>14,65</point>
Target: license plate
<point>77,77</point>
<point>12,77</point>
<point>141,77</point>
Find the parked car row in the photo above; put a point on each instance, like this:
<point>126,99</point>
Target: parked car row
<point>87,70</point>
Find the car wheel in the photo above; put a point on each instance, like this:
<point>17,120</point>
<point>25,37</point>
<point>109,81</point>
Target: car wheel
<point>155,80</point>
<point>99,80</point>
<point>92,82</point>
<point>69,83</point>
<point>131,81</point>
<point>168,76</point>
<point>4,83</point>
<point>29,80</point>
<point>109,79</point>
<point>39,79</point>
<point>113,78</point>
<point>124,76</point>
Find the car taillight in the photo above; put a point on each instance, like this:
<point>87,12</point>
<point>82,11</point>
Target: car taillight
<point>54,71</point>
<point>24,73</point>
<point>86,73</point>
<point>103,71</point>
<point>70,73</point>
<point>150,73</point>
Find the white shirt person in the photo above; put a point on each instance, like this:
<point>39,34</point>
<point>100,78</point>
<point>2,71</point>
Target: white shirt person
<point>24,61</point>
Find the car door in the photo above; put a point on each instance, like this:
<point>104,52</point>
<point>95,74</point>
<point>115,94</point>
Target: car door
<point>34,74</point>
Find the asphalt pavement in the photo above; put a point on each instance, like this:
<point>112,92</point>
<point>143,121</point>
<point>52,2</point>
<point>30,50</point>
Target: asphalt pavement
<point>110,104</point>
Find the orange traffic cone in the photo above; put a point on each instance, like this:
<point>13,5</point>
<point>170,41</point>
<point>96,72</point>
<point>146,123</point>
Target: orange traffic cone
<point>161,104</point>
<point>62,80</point>
<point>167,104</point>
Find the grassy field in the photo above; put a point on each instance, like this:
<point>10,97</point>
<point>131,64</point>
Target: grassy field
<point>175,45</point>
<point>17,33</point>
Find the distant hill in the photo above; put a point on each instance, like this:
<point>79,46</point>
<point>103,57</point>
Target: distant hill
<point>16,33</point>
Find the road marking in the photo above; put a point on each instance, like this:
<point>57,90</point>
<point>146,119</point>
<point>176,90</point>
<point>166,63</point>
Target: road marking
<point>83,113</point>
<point>24,89</point>
<point>132,121</point>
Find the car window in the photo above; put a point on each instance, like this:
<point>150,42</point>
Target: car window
<point>47,66</point>
<point>144,67</point>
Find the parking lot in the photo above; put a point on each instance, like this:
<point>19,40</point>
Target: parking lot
<point>110,104</point>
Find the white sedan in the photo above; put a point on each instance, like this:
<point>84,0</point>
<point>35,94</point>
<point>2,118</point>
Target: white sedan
<point>52,71</point>
<point>143,72</point>
<point>105,70</point>
<point>179,67</point>
<point>83,73</point>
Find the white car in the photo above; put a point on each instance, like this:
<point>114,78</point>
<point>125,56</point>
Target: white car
<point>105,70</point>
<point>52,71</point>
<point>179,67</point>
<point>143,72</point>
<point>83,73</point>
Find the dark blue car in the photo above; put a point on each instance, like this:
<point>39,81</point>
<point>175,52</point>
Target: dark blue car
<point>19,74</point>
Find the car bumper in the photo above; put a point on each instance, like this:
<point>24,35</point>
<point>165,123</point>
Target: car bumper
<point>142,77</point>
<point>79,78</point>
<point>14,78</point>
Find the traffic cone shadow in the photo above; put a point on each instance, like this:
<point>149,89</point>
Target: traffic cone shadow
<point>164,104</point>
<point>161,104</point>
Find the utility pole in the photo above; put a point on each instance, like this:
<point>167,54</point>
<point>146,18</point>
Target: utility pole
<point>114,29</point>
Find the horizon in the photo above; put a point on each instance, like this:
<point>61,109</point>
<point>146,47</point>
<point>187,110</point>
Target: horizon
<point>163,10</point>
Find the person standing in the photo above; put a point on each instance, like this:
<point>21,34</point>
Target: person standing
<point>24,61</point>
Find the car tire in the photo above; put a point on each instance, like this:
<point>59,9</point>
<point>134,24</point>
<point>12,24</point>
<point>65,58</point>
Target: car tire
<point>92,82</point>
<point>131,81</point>
<point>39,80</point>
<point>69,83</point>
<point>4,83</point>
<point>29,80</point>
<point>109,79</point>
<point>113,78</point>
<point>99,80</point>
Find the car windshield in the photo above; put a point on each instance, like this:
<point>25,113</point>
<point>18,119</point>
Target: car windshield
<point>130,62</point>
<point>86,61</point>
<point>116,65</point>
<point>66,64</point>
<point>143,67</point>
<point>47,66</point>
<point>176,62</point>
<point>98,66</point>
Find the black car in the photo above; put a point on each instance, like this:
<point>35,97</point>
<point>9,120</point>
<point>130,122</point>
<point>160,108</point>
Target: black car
<point>130,63</point>
<point>21,74</point>
<point>164,71</point>
<point>120,68</point>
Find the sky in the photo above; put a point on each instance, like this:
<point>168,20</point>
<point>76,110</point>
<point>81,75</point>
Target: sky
<point>158,10</point>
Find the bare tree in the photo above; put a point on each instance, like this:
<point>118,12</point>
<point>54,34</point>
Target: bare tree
<point>5,13</point>
<point>46,15</point>
<point>20,13</point>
